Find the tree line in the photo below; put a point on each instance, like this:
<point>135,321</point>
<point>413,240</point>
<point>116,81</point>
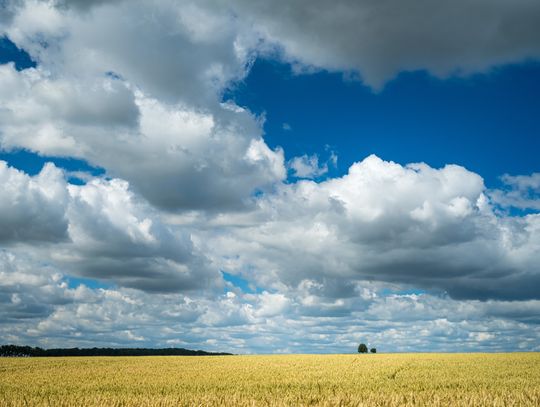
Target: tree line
<point>28,351</point>
<point>362,348</point>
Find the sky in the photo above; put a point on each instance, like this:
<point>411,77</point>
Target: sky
<point>270,177</point>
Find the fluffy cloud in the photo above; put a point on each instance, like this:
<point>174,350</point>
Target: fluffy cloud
<point>117,237</point>
<point>431,228</point>
<point>195,61</point>
<point>307,166</point>
<point>522,191</point>
<point>32,209</point>
<point>219,160</point>
<point>102,231</point>
<point>378,39</point>
<point>161,126</point>
<point>27,291</point>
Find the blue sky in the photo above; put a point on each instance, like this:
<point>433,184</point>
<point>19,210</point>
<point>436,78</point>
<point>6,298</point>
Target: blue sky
<point>261,180</point>
<point>488,123</point>
<point>11,53</point>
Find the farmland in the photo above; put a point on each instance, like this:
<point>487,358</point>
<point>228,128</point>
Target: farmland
<point>356,380</point>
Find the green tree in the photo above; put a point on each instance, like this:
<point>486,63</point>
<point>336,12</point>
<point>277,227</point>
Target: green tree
<point>373,350</point>
<point>362,348</point>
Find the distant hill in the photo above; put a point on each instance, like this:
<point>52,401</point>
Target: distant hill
<point>28,351</point>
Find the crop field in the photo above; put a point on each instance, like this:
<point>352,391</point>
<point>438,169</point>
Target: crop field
<point>329,380</point>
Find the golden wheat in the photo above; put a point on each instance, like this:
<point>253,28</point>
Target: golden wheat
<point>328,380</point>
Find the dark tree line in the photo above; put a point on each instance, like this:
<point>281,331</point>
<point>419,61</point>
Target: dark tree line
<point>27,351</point>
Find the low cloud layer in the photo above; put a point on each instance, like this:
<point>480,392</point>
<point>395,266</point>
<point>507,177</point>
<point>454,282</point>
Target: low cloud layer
<point>39,307</point>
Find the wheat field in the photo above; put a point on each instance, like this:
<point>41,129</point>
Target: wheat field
<point>327,380</point>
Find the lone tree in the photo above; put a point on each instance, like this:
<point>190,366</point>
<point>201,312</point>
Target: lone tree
<point>362,348</point>
<point>373,350</point>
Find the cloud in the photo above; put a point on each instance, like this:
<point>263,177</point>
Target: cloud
<point>431,228</point>
<point>373,39</point>
<point>100,230</point>
<point>32,209</point>
<point>51,116</point>
<point>378,39</point>
<point>94,98</point>
<point>521,191</point>
<point>88,44</point>
<point>84,4</point>
<point>307,166</point>
<point>120,238</point>
<point>27,291</point>
<point>219,160</point>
